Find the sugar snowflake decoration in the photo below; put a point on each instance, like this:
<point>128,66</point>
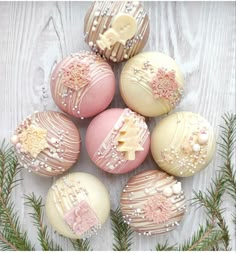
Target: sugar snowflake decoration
<point>76,75</point>
<point>164,85</point>
<point>33,140</point>
<point>158,209</point>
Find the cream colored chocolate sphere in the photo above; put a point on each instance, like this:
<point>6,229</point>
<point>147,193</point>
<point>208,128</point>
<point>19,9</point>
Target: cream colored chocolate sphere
<point>77,205</point>
<point>152,202</point>
<point>183,143</point>
<point>151,83</point>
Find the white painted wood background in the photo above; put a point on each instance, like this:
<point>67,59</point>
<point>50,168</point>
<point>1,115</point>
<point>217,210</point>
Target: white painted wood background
<point>34,36</point>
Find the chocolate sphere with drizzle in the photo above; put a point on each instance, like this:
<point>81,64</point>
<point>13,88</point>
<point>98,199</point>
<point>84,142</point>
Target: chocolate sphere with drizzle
<point>47,143</point>
<point>152,202</point>
<point>117,30</point>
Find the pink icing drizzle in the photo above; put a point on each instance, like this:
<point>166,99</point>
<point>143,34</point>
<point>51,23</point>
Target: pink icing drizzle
<point>81,218</point>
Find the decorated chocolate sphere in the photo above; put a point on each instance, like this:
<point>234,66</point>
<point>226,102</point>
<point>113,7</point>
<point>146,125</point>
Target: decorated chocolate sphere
<point>117,30</point>
<point>83,84</point>
<point>118,140</point>
<point>47,143</point>
<point>183,144</point>
<point>152,202</point>
<point>151,84</point>
<point>77,205</point>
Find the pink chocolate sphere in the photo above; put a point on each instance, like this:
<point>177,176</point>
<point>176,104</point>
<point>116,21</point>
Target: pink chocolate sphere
<point>83,84</point>
<point>118,140</point>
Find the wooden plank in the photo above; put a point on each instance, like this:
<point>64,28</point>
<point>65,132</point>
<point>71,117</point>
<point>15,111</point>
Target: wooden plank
<point>34,36</point>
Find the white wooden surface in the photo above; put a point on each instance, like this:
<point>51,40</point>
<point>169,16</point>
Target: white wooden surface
<point>34,36</point>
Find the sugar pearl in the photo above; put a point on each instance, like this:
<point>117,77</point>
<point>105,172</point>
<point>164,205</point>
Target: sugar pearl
<point>176,188</point>
<point>14,139</point>
<point>53,140</point>
<point>203,138</point>
<point>196,147</point>
<point>167,191</point>
<point>126,56</point>
<point>18,145</point>
<point>49,169</point>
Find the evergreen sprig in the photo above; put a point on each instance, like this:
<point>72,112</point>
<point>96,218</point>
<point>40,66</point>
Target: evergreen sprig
<point>35,203</point>
<point>228,140</point>
<point>12,236</point>
<point>212,201</point>
<point>204,239</point>
<point>165,247</point>
<point>81,245</point>
<point>122,232</point>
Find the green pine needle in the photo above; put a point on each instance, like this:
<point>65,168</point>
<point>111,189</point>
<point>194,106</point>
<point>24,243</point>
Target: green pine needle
<point>81,245</point>
<point>228,140</point>
<point>204,239</point>
<point>165,247</point>
<point>12,237</point>
<point>121,231</point>
<point>37,215</point>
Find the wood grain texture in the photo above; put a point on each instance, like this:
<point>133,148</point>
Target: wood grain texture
<point>34,36</point>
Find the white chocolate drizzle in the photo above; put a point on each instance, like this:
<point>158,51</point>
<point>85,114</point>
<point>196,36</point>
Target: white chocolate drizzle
<point>107,154</point>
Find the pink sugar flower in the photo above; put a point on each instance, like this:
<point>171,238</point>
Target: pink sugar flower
<point>158,209</point>
<point>164,84</point>
<point>76,75</point>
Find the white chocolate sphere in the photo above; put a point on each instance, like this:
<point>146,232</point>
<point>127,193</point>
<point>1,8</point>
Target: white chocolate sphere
<point>151,84</point>
<point>152,202</point>
<point>47,143</point>
<point>77,205</point>
<point>183,143</point>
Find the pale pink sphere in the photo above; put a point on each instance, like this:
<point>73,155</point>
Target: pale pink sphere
<point>83,84</point>
<point>102,145</point>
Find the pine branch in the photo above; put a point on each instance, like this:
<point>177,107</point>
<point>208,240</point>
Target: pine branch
<point>121,231</point>
<point>37,215</point>
<point>212,201</point>
<point>81,245</point>
<point>11,235</point>
<point>165,247</point>
<point>8,171</point>
<point>204,239</point>
<point>228,139</point>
